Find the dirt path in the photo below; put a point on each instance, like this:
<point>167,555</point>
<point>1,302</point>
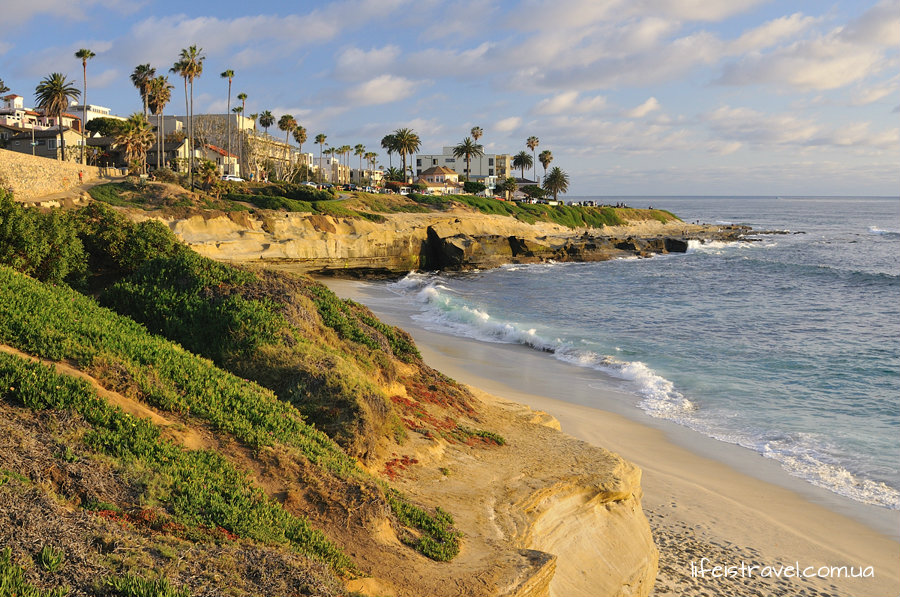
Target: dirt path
<point>177,431</point>
<point>70,196</point>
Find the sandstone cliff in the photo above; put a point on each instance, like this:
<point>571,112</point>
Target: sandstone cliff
<point>450,240</point>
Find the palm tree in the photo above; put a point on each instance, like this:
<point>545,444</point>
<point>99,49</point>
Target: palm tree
<point>243,97</point>
<point>532,143</point>
<point>140,78</point>
<point>192,67</point>
<point>228,74</point>
<point>545,158</point>
<point>476,133</point>
<point>287,123</point>
<point>556,182</point>
<point>360,150</point>
<point>522,160</point>
<point>238,111</point>
<point>208,173</point>
<point>53,94</point>
<point>266,119</point>
<point>160,95</point>
<point>389,144</point>
<point>345,153</point>
<point>84,55</point>
<point>180,69</point>
<point>407,142</point>
<point>468,149</point>
<point>136,137</point>
<point>320,139</point>
<point>393,174</point>
<point>300,138</point>
<point>331,151</point>
<point>370,157</point>
<point>3,87</point>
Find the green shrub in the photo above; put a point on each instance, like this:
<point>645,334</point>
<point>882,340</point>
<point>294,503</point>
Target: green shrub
<point>13,583</point>
<point>42,245</point>
<point>199,487</point>
<point>136,586</point>
<point>51,559</point>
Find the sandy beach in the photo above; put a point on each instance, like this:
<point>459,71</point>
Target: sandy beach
<point>709,504</point>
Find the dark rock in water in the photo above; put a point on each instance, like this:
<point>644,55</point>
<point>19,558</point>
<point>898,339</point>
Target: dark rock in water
<point>676,245</point>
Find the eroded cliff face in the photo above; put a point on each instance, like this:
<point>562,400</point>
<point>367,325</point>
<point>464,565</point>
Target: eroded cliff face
<point>404,242</point>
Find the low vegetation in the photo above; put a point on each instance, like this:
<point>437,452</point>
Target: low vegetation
<point>289,367</point>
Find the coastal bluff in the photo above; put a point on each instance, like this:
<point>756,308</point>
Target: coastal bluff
<point>454,240</point>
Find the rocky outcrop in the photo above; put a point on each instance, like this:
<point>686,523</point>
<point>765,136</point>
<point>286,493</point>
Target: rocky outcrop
<point>405,242</point>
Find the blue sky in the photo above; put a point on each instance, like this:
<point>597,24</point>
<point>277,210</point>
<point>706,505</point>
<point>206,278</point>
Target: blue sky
<point>684,97</point>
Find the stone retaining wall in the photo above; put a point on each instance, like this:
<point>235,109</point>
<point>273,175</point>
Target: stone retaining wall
<point>30,177</point>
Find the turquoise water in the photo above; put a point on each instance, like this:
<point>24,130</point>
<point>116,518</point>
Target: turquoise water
<point>788,345</point>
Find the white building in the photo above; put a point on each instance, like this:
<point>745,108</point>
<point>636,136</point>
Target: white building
<point>92,112</point>
<point>487,169</point>
<point>14,113</point>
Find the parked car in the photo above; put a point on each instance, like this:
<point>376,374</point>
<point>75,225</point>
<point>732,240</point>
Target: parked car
<point>232,178</point>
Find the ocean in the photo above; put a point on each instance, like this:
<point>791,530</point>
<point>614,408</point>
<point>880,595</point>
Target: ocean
<point>787,345</point>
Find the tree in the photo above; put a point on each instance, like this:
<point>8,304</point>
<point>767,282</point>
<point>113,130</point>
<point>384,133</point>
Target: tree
<point>473,187</point>
<point>208,173</point>
<point>160,95</point>
<point>140,78</point>
<point>103,126</point>
<point>228,74</point>
<point>545,158</point>
<point>287,123</point>
<point>300,138</point>
<point>556,182</point>
<point>53,95</point>
<point>243,97</point>
<point>191,68</point>
<point>509,186</point>
<point>3,87</point>
<point>468,149</point>
<point>389,144</point>
<point>533,191</point>
<point>84,55</point>
<point>407,143</point>
<point>360,150</point>
<point>532,143</point>
<point>266,119</point>
<point>136,137</point>
<point>394,174</point>
<point>477,133</point>
<point>320,139</point>
<point>522,160</point>
<point>180,68</point>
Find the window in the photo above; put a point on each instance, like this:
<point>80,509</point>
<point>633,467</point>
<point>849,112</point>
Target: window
<point>490,161</point>
<point>451,161</point>
<point>434,162</point>
<point>418,162</point>
<point>491,172</point>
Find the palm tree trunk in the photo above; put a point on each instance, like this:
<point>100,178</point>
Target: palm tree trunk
<point>186,114</point>
<point>62,139</point>
<point>228,120</point>
<point>191,133</point>
<point>83,111</point>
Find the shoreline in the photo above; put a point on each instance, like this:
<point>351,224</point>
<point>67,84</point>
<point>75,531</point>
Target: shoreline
<point>704,498</point>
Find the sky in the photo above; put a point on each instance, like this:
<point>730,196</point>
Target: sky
<point>632,97</point>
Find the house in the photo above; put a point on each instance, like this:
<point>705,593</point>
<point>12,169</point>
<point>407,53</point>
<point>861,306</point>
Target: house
<point>92,111</point>
<point>174,155</point>
<point>332,170</point>
<point>488,168</point>
<point>13,113</point>
<point>46,143</point>
<point>440,180</point>
<point>227,163</point>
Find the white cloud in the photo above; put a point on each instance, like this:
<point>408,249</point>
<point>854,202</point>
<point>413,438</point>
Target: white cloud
<point>356,64</point>
<point>104,79</point>
<point>648,106</point>
<point>770,33</point>
<point>19,13</point>
<point>507,125</point>
<point>755,128</point>
<point>569,102</point>
<point>381,90</point>
<point>836,59</point>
